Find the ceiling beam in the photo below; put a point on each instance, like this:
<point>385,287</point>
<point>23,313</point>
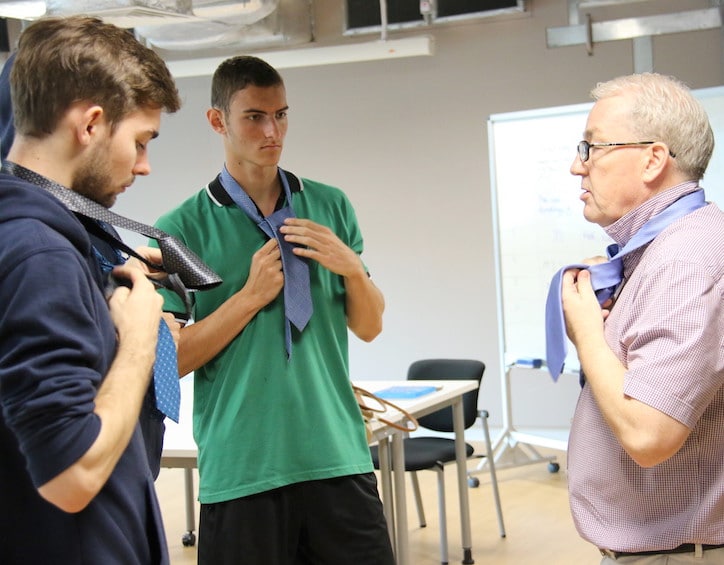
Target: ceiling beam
<point>631,28</point>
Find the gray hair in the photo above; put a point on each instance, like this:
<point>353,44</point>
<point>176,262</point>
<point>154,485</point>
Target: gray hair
<point>664,109</point>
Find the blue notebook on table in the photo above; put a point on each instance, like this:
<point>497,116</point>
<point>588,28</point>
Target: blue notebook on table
<point>404,392</point>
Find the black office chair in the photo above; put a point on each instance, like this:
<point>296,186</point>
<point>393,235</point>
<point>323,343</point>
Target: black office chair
<point>432,453</point>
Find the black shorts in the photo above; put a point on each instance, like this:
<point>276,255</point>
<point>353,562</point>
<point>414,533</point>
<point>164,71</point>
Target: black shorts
<point>328,522</point>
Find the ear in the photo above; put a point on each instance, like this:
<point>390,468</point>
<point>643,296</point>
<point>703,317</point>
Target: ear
<point>89,124</point>
<point>657,163</point>
<point>216,120</point>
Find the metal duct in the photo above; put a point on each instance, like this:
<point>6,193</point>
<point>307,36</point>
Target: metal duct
<point>187,25</point>
<point>218,23</point>
<point>266,23</point>
<point>126,13</point>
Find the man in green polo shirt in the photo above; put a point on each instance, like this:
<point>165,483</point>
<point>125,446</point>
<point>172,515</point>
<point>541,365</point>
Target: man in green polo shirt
<point>285,471</point>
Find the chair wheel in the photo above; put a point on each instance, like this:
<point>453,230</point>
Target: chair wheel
<point>473,482</point>
<point>553,467</point>
<point>188,539</point>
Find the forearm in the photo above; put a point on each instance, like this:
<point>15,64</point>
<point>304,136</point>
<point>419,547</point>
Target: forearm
<point>117,405</point>
<point>203,340</point>
<point>605,375</point>
<point>646,434</point>
<point>365,305</point>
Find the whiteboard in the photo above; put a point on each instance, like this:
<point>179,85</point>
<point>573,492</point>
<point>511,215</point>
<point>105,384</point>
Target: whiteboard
<point>538,223</point>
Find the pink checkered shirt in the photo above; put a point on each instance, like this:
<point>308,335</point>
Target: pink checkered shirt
<point>667,327</point>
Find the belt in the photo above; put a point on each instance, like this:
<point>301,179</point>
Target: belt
<point>683,548</point>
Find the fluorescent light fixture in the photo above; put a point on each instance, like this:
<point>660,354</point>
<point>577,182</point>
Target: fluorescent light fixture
<point>26,10</point>
<point>313,56</point>
<point>136,13</point>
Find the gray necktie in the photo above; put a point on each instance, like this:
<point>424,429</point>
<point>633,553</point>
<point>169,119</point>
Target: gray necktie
<point>177,258</point>
<point>165,369</point>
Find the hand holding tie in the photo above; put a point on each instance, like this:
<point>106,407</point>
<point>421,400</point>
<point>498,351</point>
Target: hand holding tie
<point>583,314</point>
<point>605,279</point>
<point>266,278</point>
<point>136,306</point>
<point>318,243</point>
<point>136,312</point>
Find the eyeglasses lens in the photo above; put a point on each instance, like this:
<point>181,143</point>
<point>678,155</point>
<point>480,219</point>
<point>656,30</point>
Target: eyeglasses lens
<point>583,148</point>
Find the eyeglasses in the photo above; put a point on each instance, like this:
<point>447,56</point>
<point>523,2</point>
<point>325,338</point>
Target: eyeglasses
<point>584,147</point>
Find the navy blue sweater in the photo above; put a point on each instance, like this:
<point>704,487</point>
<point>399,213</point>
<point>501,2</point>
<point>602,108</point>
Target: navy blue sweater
<point>57,342</point>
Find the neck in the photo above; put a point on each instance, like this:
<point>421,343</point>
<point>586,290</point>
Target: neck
<point>260,183</point>
<point>43,158</point>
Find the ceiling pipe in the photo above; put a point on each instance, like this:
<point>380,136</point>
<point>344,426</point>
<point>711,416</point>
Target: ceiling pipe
<point>383,20</point>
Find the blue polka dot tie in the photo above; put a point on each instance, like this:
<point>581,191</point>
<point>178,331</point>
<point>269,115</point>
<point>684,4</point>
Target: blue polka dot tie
<point>165,374</point>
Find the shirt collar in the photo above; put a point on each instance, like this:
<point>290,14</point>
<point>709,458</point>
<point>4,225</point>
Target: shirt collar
<point>221,197</point>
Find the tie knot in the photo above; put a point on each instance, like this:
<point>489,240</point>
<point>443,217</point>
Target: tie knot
<point>605,278</point>
<point>612,250</point>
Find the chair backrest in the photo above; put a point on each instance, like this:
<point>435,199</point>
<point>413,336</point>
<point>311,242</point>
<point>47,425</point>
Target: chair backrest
<point>449,369</point>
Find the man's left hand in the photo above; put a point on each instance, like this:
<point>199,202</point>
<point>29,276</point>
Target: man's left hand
<point>318,242</point>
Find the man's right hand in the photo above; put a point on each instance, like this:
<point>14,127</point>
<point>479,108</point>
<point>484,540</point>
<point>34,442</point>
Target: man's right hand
<point>266,278</point>
<point>202,340</point>
<point>135,310</point>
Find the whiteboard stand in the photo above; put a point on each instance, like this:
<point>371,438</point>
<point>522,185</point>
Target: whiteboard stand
<point>514,448</point>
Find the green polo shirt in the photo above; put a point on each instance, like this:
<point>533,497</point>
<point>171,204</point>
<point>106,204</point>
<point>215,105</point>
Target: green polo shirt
<point>262,421</point>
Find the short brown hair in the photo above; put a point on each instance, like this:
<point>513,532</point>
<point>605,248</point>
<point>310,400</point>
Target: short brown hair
<point>61,61</point>
<point>235,74</point>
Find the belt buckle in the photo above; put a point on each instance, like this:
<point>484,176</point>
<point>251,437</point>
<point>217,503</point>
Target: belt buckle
<point>608,553</point>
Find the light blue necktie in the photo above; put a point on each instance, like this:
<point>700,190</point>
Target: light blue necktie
<point>297,292</point>
<point>605,277</point>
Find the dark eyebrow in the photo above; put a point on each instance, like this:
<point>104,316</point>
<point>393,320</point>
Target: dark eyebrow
<point>255,111</point>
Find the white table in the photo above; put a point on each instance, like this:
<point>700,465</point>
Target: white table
<point>449,393</point>
<point>180,452</point>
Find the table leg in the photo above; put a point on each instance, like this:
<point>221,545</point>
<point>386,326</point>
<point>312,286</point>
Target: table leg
<point>398,467</point>
<point>461,463</point>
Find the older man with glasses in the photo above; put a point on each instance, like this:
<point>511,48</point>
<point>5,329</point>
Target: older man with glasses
<point>646,449</point>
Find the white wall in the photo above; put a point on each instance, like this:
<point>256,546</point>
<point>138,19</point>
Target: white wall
<point>406,139</point>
